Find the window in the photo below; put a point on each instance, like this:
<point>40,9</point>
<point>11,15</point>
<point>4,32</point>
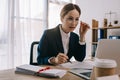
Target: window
<point>21,23</point>
<point>55,7</point>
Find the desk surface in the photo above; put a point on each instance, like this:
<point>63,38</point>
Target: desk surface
<point>11,75</point>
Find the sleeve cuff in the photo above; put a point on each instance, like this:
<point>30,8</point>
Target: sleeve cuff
<point>81,43</point>
<point>49,60</point>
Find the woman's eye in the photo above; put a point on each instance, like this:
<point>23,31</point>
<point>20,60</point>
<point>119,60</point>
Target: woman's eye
<point>77,19</point>
<point>70,18</point>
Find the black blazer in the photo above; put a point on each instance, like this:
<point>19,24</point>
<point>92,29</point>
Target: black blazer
<point>51,44</point>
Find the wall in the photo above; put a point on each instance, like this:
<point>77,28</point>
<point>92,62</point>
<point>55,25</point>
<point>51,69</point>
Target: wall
<point>97,9</point>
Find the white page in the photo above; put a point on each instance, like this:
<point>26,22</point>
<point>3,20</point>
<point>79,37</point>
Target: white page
<point>76,64</point>
<point>56,72</point>
<point>30,67</point>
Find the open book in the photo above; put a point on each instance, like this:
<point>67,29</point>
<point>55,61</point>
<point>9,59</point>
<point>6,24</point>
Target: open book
<point>40,71</point>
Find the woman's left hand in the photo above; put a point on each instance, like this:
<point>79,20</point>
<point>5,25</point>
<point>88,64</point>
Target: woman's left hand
<point>83,30</point>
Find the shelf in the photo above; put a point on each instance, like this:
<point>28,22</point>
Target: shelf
<point>112,27</point>
<point>94,42</point>
<point>99,33</point>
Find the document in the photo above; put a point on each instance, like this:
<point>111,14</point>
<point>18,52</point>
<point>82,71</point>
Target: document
<point>40,71</point>
<point>76,64</point>
<point>82,69</point>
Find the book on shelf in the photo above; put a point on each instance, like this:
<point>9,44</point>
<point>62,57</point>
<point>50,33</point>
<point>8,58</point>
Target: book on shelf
<point>95,24</point>
<point>93,50</point>
<point>103,33</point>
<point>94,35</point>
<point>40,71</point>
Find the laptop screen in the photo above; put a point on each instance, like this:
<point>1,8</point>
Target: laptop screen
<point>109,49</point>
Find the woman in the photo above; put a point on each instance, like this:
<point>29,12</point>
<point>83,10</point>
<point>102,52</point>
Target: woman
<point>59,44</point>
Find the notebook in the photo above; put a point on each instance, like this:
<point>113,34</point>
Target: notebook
<point>40,71</point>
<point>109,49</point>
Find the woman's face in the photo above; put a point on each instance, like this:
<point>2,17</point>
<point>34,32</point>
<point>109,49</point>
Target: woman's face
<point>70,21</point>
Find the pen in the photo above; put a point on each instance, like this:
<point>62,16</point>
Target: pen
<point>46,68</point>
<point>69,61</point>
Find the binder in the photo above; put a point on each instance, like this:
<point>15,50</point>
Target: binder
<point>40,71</point>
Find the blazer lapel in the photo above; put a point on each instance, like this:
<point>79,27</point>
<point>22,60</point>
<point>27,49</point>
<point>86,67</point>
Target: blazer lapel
<point>70,45</point>
<point>59,40</point>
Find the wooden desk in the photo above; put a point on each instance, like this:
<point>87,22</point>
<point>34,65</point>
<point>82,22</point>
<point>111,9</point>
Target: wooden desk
<point>11,75</point>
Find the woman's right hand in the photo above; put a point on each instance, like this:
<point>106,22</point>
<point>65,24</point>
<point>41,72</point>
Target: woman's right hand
<point>59,59</point>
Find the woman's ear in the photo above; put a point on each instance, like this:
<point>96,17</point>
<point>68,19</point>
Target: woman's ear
<point>61,19</point>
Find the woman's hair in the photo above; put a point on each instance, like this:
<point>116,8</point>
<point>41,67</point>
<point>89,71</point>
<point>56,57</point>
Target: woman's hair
<point>69,7</point>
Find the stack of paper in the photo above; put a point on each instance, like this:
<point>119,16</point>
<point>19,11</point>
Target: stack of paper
<point>40,71</point>
<point>82,69</point>
<point>79,65</point>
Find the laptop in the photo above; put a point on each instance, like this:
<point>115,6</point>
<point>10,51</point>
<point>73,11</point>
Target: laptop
<point>106,49</point>
<point>83,73</point>
<point>82,69</point>
<point>109,49</point>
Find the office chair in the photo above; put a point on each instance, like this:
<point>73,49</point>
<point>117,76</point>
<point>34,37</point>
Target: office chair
<point>33,53</point>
